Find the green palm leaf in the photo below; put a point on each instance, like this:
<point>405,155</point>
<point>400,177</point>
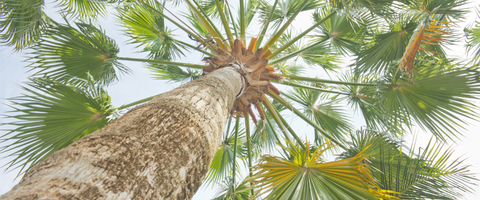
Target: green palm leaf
<point>450,8</point>
<point>325,113</point>
<point>427,174</point>
<point>435,103</point>
<point>313,53</point>
<point>473,38</point>
<point>147,28</point>
<point>388,47</point>
<point>319,55</point>
<point>302,174</point>
<point>85,9</point>
<point>265,136</point>
<point>222,164</point>
<point>197,25</point>
<point>230,191</point>
<point>343,35</point>
<point>366,100</point>
<point>21,22</point>
<point>285,10</point>
<point>50,116</point>
<point>77,53</point>
<point>173,73</point>
<point>251,10</point>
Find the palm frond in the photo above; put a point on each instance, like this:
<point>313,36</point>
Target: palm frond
<point>85,9</point>
<point>302,174</point>
<point>173,73</point>
<point>222,164</point>
<point>472,34</point>
<point>344,36</point>
<point>234,191</point>
<point>387,48</point>
<point>264,136</point>
<point>426,34</point>
<point>448,8</point>
<point>67,53</point>
<point>50,116</point>
<point>435,103</point>
<point>22,22</point>
<point>429,173</point>
<point>197,25</point>
<point>146,28</point>
<point>322,110</point>
<point>365,99</point>
<point>285,10</point>
<point>251,9</point>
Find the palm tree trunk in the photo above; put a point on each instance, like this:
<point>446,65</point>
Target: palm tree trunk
<point>159,150</point>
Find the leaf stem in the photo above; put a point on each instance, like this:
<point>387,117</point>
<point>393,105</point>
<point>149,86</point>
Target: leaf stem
<point>249,148</point>
<point>271,109</point>
<point>235,152</point>
<point>300,36</point>
<point>293,54</point>
<point>265,26</point>
<point>317,80</point>
<point>195,48</point>
<point>277,35</point>
<point>289,83</point>
<point>242,21</point>
<point>217,36</point>
<point>281,121</point>
<point>309,121</point>
<point>137,102</point>
<point>225,23</point>
<point>232,19</point>
<point>209,20</point>
<point>171,20</point>
<point>197,66</point>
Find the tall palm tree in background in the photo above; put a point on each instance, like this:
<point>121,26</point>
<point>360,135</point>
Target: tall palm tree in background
<point>70,142</point>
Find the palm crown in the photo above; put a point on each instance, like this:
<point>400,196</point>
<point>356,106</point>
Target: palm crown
<point>401,77</point>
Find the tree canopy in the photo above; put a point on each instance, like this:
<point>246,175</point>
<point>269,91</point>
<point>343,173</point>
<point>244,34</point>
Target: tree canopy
<point>385,60</point>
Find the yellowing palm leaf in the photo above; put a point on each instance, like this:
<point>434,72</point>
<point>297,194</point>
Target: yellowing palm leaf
<point>304,175</point>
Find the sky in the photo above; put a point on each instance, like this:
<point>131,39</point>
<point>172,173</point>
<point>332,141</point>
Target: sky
<point>140,85</point>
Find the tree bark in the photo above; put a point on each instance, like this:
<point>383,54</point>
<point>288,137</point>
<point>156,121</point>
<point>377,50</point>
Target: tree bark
<point>158,150</point>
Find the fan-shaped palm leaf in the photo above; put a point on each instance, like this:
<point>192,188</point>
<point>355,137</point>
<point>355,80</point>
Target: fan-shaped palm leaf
<point>366,99</point>
<point>147,28</point>
<point>223,161</point>
<point>68,53</point>
<point>313,53</point>
<point>52,115</point>
<point>197,25</point>
<point>304,175</point>
<point>435,103</point>
<point>427,174</point>
<point>231,191</point>
<point>85,9</point>
<point>473,38</point>
<point>265,136</point>
<point>173,73</point>
<point>22,22</point>
<point>285,10</point>
<point>343,35</point>
<point>388,47</point>
<point>325,114</point>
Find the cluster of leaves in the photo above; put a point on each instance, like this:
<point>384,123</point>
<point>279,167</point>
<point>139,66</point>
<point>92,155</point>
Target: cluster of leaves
<point>400,77</point>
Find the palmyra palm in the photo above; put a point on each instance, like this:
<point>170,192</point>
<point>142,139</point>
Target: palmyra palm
<point>69,141</point>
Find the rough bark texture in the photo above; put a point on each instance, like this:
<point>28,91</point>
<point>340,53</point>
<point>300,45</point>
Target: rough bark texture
<point>159,150</point>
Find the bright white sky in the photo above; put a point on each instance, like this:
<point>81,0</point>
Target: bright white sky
<point>140,85</point>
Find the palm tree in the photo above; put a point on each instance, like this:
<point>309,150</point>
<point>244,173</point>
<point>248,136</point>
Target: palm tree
<point>69,141</point>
